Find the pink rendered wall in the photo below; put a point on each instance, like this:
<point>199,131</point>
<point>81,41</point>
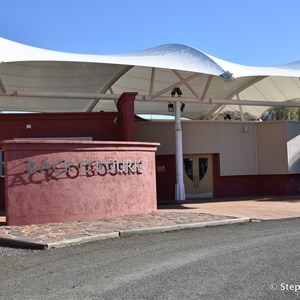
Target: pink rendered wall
<point>2,194</point>
<point>98,125</point>
<point>101,126</point>
<point>50,196</point>
<point>126,115</point>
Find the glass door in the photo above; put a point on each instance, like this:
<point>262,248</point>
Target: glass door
<point>198,177</point>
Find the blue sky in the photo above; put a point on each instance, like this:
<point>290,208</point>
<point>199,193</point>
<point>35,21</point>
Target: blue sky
<point>248,32</point>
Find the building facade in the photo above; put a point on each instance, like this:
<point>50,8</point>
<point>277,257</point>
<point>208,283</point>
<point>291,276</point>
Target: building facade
<point>85,104</point>
<point>227,158</point>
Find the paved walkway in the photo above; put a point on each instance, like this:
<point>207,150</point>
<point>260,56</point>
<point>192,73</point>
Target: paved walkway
<point>189,212</point>
<point>265,208</point>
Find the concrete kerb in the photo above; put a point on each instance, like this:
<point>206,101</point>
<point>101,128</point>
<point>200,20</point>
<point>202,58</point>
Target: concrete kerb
<point>82,240</point>
<point>142,231</point>
<point>122,233</point>
<point>22,244</point>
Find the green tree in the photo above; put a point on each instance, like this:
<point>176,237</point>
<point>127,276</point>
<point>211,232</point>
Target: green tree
<point>282,113</point>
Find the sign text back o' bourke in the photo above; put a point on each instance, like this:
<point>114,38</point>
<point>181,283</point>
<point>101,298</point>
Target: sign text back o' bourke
<point>102,167</point>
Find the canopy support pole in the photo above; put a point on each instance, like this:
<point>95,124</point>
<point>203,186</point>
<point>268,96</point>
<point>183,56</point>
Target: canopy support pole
<point>179,188</point>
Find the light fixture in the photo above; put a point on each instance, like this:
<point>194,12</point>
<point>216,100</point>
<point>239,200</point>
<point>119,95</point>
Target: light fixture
<point>176,90</point>
<point>179,92</point>
<point>170,107</point>
<point>28,126</point>
<point>182,106</point>
<point>227,117</point>
<point>173,92</point>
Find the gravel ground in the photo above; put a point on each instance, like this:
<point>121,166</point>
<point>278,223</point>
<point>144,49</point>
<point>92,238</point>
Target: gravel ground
<point>6,251</point>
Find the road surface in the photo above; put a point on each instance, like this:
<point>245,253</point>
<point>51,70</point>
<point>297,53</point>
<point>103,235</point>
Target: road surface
<point>252,261</point>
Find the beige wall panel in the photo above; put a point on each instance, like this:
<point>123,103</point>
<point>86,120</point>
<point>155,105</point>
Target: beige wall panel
<point>271,148</point>
<point>200,137</point>
<point>237,149</point>
<point>245,148</point>
<point>293,146</point>
<point>161,132</point>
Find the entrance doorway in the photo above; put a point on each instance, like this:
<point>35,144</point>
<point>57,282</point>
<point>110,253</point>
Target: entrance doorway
<point>198,175</point>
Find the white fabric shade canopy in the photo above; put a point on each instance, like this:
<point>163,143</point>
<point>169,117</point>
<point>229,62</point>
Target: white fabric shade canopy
<point>38,80</point>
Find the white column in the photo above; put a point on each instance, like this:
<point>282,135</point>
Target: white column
<point>179,188</point>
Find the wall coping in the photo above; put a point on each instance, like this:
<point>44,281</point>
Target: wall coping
<point>105,145</point>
